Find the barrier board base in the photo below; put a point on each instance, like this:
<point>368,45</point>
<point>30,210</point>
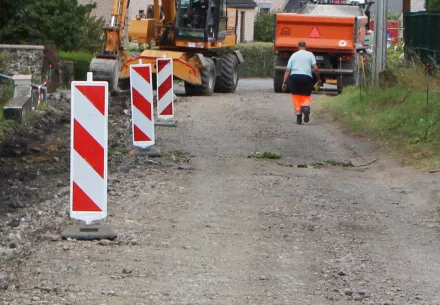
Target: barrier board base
<point>89,232</point>
<point>165,123</point>
<point>151,151</point>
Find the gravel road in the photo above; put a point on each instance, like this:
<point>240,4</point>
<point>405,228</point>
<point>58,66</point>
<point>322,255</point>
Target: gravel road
<point>208,224</point>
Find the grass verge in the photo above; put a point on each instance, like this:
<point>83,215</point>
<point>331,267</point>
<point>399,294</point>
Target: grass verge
<point>265,155</point>
<point>398,116</point>
<point>81,62</point>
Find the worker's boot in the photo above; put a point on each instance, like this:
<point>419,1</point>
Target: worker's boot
<point>299,118</point>
<point>306,111</point>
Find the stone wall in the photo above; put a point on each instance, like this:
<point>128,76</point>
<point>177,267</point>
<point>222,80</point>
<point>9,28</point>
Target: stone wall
<point>21,59</point>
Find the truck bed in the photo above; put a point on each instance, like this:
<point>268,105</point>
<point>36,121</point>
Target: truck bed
<point>321,33</point>
<point>325,28</point>
<point>331,10</point>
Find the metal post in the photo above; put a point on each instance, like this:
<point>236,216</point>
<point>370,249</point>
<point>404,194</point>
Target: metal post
<point>380,43</point>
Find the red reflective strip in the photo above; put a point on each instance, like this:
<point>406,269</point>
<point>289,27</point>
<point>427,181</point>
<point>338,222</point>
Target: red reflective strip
<point>144,72</point>
<point>165,87</point>
<point>168,110</point>
<point>82,202</point>
<point>142,104</point>
<point>88,148</point>
<point>161,64</point>
<point>96,96</point>
<point>139,135</point>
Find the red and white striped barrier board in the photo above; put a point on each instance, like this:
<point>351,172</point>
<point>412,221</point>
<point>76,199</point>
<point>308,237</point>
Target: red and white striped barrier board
<point>142,105</point>
<point>88,157</point>
<point>165,89</point>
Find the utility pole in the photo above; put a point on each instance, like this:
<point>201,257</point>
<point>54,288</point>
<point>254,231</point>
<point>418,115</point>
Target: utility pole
<point>380,40</point>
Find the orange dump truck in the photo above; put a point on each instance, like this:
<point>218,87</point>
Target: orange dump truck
<point>334,33</point>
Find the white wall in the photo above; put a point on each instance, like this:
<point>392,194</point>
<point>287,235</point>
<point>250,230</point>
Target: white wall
<point>249,18</point>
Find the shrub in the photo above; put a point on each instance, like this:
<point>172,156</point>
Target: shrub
<point>258,59</point>
<point>81,62</point>
<point>6,93</point>
<point>264,26</point>
<point>62,23</point>
<point>400,117</point>
<point>3,56</point>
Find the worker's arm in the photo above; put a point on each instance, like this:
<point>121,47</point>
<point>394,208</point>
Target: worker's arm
<point>286,77</point>
<point>316,71</point>
<point>287,74</point>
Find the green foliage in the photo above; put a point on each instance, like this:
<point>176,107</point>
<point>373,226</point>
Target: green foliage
<point>398,116</point>
<point>432,6</point>
<point>81,62</point>
<point>265,155</point>
<point>10,10</point>
<point>3,58</point>
<point>258,59</point>
<point>93,36</point>
<point>264,27</point>
<point>6,93</point>
<point>393,14</point>
<point>62,23</point>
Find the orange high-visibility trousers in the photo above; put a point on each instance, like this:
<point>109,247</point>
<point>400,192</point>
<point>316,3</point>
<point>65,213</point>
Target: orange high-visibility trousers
<point>301,101</point>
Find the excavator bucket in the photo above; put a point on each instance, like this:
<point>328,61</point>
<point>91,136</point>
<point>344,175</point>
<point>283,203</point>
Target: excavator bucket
<point>106,69</point>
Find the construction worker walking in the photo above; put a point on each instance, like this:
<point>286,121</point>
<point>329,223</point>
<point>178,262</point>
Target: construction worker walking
<point>299,70</point>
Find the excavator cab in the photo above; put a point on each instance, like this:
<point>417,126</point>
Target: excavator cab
<point>201,20</point>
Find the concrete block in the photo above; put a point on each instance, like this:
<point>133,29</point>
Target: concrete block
<point>19,106</point>
<point>22,85</point>
<point>89,232</point>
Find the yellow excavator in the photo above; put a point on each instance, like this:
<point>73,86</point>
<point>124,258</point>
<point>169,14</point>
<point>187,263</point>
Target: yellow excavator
<point>194,33</point>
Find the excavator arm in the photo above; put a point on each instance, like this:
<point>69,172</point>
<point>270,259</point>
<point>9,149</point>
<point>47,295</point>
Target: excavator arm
<point>115,30</point>
<point>107,64</point>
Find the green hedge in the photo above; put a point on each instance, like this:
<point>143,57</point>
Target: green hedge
<point>81,62</point>
<point>258,59</point>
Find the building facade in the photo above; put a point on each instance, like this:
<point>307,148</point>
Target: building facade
<point>245,13</point>
<point>245,19</point>
<point>104,7</point>
<point>270,5</point>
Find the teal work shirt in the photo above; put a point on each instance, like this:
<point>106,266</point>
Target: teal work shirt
<point>301,63</point>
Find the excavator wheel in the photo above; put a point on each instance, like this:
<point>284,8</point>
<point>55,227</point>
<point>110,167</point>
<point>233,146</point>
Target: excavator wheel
<point>208,75</point>
<point>339,85</point>
<point>227,81</point>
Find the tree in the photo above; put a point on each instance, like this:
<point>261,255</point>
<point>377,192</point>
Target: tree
<point>10,10</point>
<point>433,6</point>
<point>62,23</point>
<point>264,26</point>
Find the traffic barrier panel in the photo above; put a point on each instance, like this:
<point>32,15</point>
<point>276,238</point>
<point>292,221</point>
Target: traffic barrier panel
<point>165,93</point>
<point>88,158</point>
<point>142,110</point>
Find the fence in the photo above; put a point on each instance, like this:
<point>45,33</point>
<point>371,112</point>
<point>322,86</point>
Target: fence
<point>422,37</point>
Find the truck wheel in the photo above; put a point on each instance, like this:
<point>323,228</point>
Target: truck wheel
<point>339,85</point>
<point>227,81</point>
<point>278,81</point>
<point>353,79</point>
<point>208,76</point>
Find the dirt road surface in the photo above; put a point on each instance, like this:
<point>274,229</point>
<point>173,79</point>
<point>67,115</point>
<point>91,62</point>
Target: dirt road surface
<point>333,221</point>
